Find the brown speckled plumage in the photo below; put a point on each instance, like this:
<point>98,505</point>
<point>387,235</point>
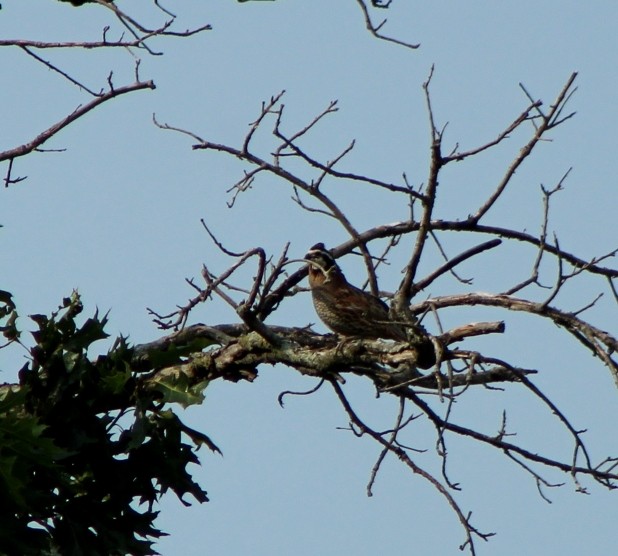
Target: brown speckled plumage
<point>344,308</point>
<point>349,311</point>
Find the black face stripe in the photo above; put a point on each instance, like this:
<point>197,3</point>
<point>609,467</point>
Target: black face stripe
<point>321,255</point>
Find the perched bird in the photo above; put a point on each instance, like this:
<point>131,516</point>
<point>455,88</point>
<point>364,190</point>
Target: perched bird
<point>349,311</point>
<point>344,308</point>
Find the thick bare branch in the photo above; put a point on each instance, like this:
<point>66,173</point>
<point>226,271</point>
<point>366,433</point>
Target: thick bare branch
<point>599,342</point>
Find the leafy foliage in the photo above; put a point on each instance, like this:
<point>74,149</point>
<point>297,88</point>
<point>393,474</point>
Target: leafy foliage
<point>78,473</point>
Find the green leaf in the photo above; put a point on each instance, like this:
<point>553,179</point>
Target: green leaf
<point>177,388</point>
<point>115,381</point>
<point>70,359</point>
<point>90,332</point>
<point>9,330</point>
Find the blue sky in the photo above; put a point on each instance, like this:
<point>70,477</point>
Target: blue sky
<point>117,215</point>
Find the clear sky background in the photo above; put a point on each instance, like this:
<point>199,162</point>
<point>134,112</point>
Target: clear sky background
<point>118,216</point>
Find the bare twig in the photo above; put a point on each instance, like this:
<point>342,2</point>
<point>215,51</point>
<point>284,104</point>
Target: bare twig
<point>469,530</point>
<point>505,134</point>
<point>44,136</point>
<point>547,122</point>
<point>404,293</point>
<point>468,254</point>
<point>375,29</point>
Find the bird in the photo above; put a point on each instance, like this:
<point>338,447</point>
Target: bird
<point>344,308</point>
<point>352,312</point>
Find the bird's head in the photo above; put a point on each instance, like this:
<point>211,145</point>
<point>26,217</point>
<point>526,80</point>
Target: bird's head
<point>322,264</point>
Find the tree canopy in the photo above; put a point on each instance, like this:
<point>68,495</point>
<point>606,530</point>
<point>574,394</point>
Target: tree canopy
<point>92,438</point>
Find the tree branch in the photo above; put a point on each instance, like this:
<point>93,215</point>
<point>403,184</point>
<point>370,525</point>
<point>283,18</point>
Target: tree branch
<point>80,111</point>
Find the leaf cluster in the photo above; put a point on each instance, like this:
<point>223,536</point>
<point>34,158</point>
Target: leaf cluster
<point>85,449</point>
